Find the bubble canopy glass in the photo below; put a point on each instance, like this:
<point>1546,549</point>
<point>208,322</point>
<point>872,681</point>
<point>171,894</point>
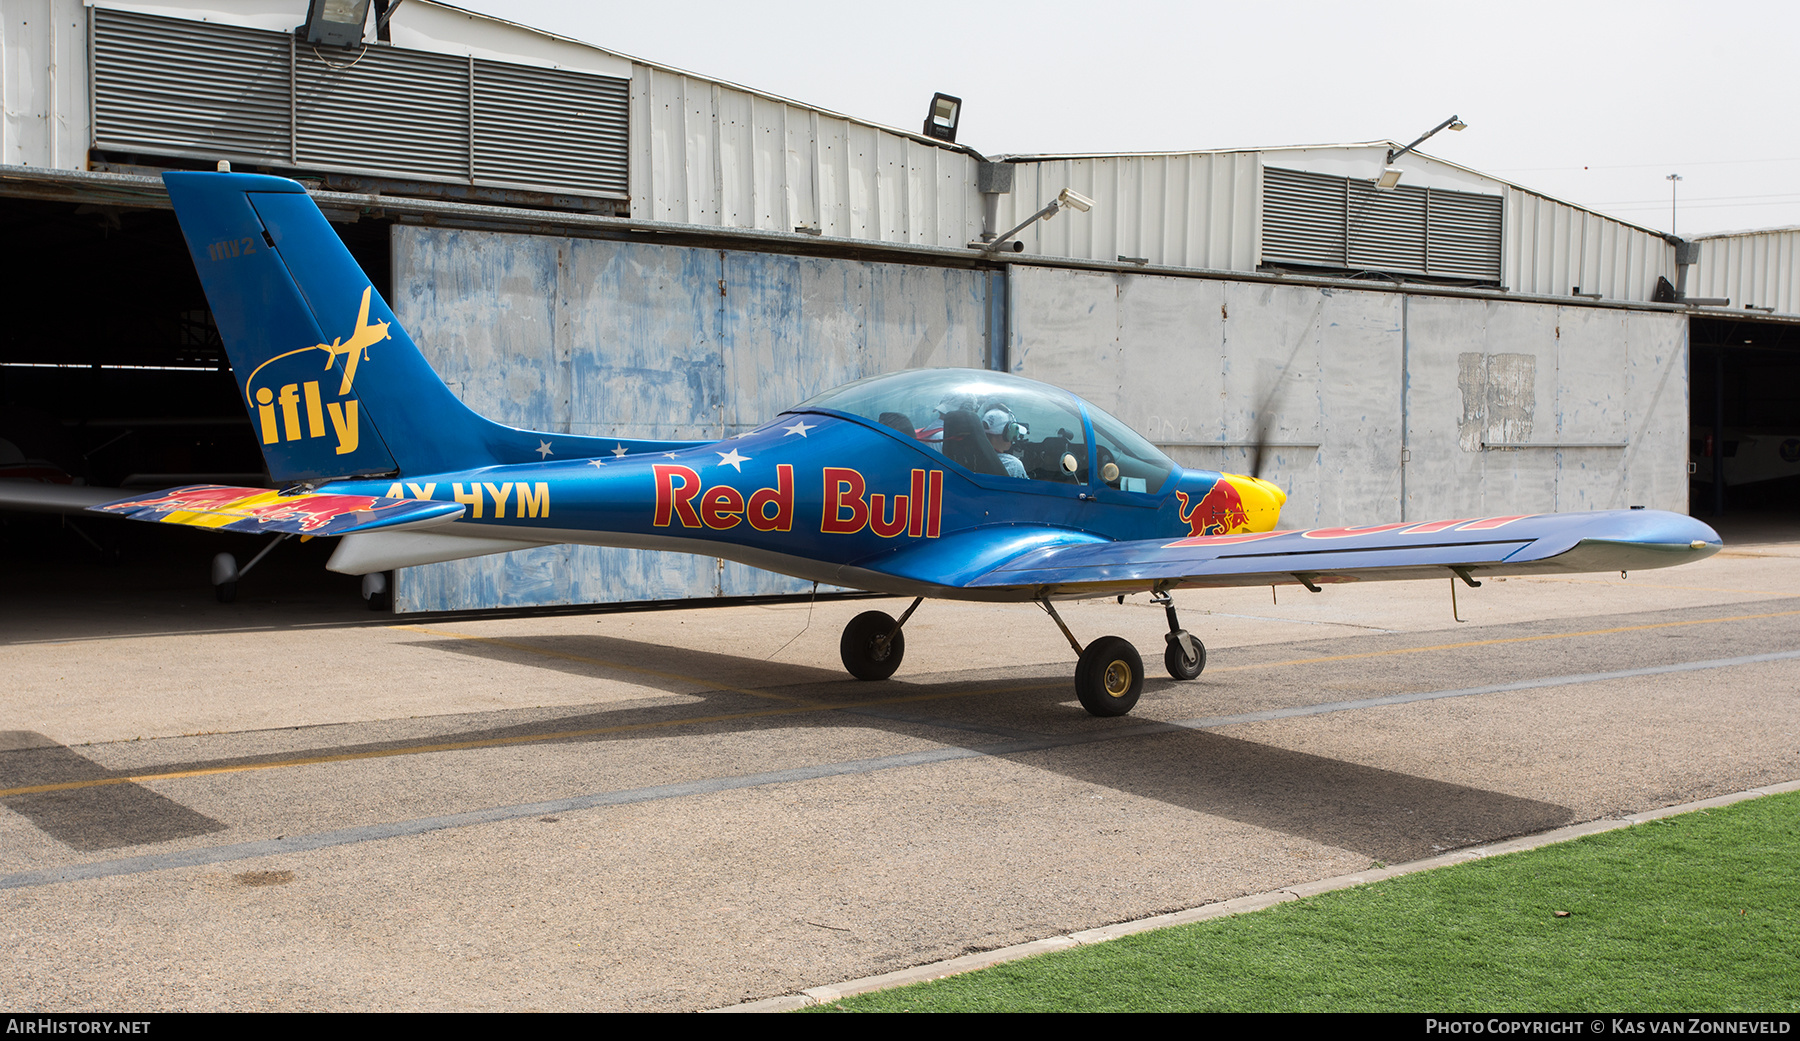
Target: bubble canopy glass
<point>925,404</point>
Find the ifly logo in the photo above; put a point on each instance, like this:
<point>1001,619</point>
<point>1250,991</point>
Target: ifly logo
<point>299,410</point>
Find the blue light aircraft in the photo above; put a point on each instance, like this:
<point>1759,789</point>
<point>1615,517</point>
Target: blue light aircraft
<point>947,483</point>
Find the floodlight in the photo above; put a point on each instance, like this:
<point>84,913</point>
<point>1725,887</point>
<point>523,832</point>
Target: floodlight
<point>940,122</point>
<point>1390,176</point>
<point>335,23</point>
<point>1453,123</point>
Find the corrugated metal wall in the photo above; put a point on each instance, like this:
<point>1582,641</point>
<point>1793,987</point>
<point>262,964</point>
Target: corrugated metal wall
<point>43,84</point>
<point>708,153</point>
<point>1552,248</point>
<point>1503,406</point>
<point>1198,209</point>
<point>1751,269</point>
<point>705,152</point>
<point>601,337</point>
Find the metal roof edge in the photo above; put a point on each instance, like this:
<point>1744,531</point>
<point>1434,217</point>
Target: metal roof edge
<point>1514,185</point>
<point>635,60</point>
<point>1784,229</point>
<point>149,192</point>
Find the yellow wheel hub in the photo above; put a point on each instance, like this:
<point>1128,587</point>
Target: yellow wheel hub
<point>1118,679</point>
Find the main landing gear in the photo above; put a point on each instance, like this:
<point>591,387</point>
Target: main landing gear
<point>873,645</point>
<point>1109,672</point>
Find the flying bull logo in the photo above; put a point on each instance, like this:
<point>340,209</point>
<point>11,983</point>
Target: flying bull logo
<point>298,410</point>
<point>1219,512</point>
<point>255,509</point>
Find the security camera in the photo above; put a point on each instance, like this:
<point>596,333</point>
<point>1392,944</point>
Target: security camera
<point>1071,197</point>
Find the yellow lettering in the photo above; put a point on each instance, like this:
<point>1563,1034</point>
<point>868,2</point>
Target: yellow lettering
<point>315,416</point>
<point>265,414</point>
<point>500,495</point>
<point>290,411</point>
<point>533,505</point>
<point>344,422</point>
<point>471,500</point>
<point>393,492</point>
<point>422,491</point>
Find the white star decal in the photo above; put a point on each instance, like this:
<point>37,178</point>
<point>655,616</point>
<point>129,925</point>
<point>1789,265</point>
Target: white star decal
<point>800,427</point>
<point>668,455</point>
<point>595,462</point>
<point>733,460</point>
<point>618,450</point>
<point>543,449</point>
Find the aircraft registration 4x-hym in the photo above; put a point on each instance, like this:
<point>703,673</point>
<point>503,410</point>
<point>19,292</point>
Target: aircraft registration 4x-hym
<point>945,483</point>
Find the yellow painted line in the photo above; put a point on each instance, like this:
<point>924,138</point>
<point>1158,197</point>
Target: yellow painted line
<point>800,707</point>
<point>1506,640</point>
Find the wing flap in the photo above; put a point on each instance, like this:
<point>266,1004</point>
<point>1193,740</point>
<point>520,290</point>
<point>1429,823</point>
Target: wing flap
<point>258,510</point>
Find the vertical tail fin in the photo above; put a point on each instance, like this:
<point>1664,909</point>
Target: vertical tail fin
<point>333,384</point>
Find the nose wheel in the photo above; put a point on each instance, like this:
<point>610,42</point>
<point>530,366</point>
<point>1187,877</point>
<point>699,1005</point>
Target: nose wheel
<point>1182,663</point>
<point>1185,657</point>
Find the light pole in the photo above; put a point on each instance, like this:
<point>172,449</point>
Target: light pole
<point>1672,179</point>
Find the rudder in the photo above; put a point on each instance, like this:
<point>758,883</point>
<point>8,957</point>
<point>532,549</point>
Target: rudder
<point>320,359</point>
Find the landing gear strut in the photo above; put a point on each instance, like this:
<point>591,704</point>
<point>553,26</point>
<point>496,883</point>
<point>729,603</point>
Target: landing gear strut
<point>873,645</point>
<point>1109,673</point>
<point>1185,657</point>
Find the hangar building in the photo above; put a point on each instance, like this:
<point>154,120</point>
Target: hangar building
<point>589,242</point>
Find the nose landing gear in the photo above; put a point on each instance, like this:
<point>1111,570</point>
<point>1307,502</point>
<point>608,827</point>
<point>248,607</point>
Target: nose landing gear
<point>1185,657</point>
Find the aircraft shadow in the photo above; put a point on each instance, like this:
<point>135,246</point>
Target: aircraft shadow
<point>1381,814</point>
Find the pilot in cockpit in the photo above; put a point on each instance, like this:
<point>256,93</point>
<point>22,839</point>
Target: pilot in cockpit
<point>1003,428</point>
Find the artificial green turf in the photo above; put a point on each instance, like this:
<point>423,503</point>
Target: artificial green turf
<point>1696,913</point>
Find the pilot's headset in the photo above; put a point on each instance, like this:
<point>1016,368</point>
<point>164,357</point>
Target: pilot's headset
<point>1000,420</point>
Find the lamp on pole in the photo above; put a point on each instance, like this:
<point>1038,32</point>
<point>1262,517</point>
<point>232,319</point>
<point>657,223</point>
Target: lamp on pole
<point>1390,174</point>
<point>1672,179</point>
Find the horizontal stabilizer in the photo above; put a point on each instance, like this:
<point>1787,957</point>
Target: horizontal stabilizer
<point>258,510</point>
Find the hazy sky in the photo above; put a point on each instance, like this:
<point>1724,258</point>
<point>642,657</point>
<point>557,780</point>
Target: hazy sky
<point>1595,103</point>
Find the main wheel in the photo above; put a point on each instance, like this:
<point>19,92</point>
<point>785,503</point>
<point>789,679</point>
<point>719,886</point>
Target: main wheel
<point>1109,677</point>
<point>866,651</point>
<point>1180,666</point>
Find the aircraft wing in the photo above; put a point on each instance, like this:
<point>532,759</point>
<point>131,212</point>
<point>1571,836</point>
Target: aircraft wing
<point>257,510</point>
<point>1552,543</point>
